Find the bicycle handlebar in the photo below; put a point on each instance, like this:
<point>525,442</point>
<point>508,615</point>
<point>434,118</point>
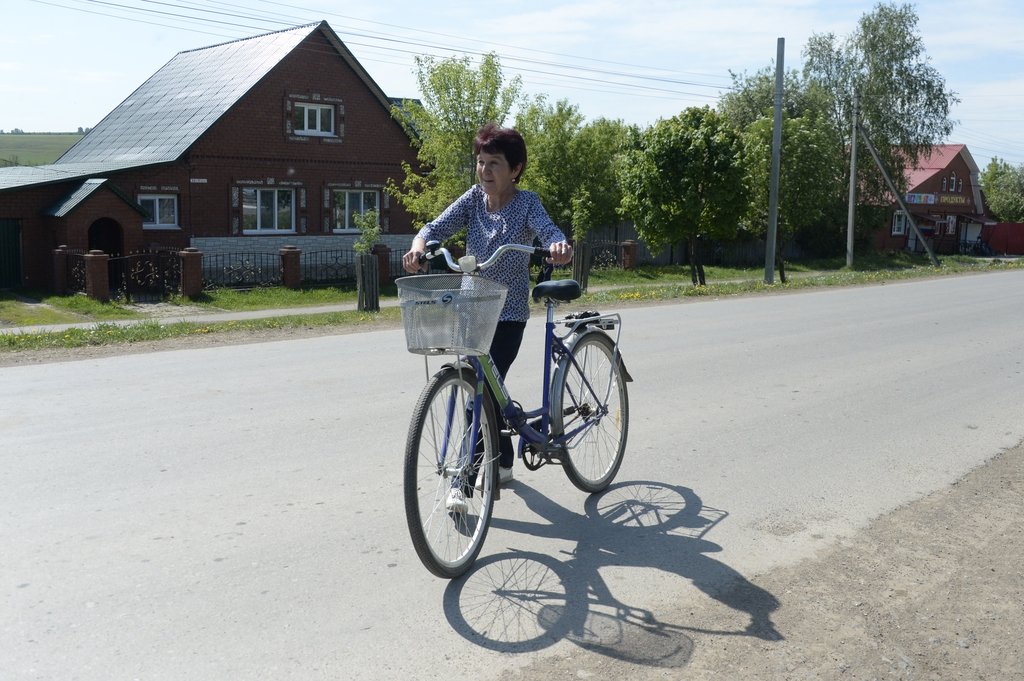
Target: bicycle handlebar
<point>468,263</point>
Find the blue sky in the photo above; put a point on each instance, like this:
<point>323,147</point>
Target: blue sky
<point>67,63</point>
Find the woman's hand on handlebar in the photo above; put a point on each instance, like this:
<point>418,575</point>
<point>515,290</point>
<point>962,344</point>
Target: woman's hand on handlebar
<point>561,253</point>
<point>414,260</point>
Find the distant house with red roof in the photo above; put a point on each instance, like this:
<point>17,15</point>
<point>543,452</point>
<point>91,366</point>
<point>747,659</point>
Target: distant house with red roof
<point>945,201</point>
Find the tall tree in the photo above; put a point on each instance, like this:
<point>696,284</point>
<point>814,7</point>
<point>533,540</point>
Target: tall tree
<point>685,181</point>
<point>572,165</point>
<point>456,100</point>
<point>1004,189</point>
<point>552,168</point>
<point>903,102</point>
<point>599,147</point>
<point>811,166</point>
<point>752,97</point>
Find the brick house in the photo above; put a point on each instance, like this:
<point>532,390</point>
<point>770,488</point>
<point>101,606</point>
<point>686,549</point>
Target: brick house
<point>946,202</point>
<point>250,145</point>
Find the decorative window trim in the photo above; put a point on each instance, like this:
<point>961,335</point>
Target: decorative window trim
<point>159,205</point>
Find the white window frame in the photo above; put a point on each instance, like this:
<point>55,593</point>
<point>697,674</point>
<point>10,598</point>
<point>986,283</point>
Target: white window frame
<point>950,224</point>
<point>253,199</point>
<point>347,203</point>
<point>322,114</point>
<point>899,223</point>
<point>157,215</point>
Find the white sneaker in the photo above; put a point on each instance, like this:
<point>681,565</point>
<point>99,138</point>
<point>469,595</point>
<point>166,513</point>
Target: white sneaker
<point>456,501</point>
<point>504,477</point>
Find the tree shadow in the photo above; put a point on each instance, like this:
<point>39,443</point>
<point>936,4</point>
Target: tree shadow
<point>522,601</point>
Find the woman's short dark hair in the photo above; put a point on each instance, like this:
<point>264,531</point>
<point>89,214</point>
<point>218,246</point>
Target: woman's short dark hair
<point>493,139</point>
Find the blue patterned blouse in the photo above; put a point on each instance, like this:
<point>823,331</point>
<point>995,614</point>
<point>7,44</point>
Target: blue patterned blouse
<point>518,222</point>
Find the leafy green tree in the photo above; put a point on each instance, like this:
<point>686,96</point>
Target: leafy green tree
<point>753,97</point>
<point>599,149</point>
<point>1004,189</point>
<point>810,167</point>
<point>457,100</point>
<point>685,181</point>
<point>552,168</point>
<point>572,165</point>
<point>368,224</point>
<point>903,102</point>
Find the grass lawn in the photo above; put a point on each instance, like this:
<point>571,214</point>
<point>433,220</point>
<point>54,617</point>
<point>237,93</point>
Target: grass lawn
<point>606,288</point>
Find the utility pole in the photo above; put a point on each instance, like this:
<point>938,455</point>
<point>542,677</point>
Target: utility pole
<point>851,209</point>
<point>899,197</point>
<point>773,188</point>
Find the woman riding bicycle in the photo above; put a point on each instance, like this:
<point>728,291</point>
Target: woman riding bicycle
<point>493,213</point>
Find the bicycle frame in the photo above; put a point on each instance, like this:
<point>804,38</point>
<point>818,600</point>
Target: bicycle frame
<point>534,426</point>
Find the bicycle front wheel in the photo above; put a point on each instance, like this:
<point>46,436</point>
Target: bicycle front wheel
<point>588,394</point>
<point>451,475</point>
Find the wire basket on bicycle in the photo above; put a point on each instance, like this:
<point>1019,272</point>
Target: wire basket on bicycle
<point>450,313</point>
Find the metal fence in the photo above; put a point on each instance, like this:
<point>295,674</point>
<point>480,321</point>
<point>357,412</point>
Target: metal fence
<point>328,267</point>
<point>75,271</point>
<point>241,270</point>
<point>145,276</point>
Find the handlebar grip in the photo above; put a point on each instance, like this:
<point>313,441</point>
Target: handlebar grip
<point>542,252</point>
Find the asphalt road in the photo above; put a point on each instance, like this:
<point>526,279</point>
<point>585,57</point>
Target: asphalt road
<point>235,512</point>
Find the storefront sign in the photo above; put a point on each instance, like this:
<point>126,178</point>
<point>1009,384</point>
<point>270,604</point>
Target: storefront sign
<point>954,199</point>
<point>920,198</point>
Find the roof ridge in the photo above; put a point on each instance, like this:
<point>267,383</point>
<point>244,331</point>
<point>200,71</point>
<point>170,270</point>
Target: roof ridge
<point>311,25</point>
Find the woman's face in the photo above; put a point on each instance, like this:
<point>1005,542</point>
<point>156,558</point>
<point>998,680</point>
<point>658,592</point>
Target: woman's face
<point>495,174</point>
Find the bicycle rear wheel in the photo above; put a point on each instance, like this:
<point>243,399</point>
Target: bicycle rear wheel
<point>441,456</point>
<point>590,393</point>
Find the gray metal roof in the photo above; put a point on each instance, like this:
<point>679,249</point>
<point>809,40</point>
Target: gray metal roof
<point>170,111</point>
<point>83,191</point>
<point>68,203</point>
<point>24,176</point>
<point>160,120</point>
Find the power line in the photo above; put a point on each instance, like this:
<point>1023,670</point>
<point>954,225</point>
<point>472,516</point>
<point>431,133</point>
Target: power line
<point>276,21</point>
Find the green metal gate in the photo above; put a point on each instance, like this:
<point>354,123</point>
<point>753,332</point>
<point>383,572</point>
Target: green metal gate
<point>10,253</point>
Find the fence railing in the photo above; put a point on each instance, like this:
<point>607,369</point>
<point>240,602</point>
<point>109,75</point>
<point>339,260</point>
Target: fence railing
<point>74,271</point>
<point>328,267</point>
<point>241,270</point>
<point>145,276</point>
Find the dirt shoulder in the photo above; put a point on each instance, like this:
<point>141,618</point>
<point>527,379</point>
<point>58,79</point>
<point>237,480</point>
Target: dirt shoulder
<point>933,590</point>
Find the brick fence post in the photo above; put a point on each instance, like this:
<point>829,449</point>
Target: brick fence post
<point>191,272</point>
<point>628,254</point>
<point>60,270</point>
<point>97,278</point>
<point>291,271</point>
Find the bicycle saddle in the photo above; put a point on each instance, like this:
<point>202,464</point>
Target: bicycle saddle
<point>563,290</point>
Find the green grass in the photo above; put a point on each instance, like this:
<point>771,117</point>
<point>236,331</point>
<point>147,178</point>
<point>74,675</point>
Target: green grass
<point>150,330</point>
<point>607,289</point>
<point>277,297</point>
<point>32,149</point>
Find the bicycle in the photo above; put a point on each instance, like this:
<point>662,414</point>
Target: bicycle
<point>452,443</point>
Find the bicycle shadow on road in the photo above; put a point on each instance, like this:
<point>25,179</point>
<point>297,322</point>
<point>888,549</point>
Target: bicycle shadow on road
<point>522,601</point>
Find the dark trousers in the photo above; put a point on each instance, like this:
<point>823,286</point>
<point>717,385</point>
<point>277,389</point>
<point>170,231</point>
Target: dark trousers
<point>504,349</point>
